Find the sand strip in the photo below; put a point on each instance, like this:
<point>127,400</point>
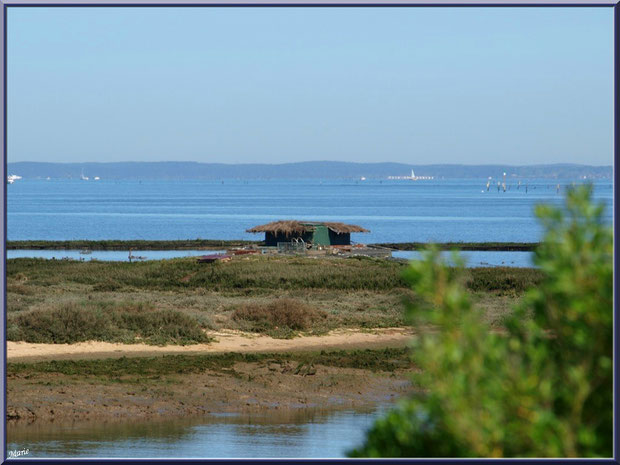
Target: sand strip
<point>229,341</point>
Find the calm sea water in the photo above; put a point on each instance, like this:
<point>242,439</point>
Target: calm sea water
<point>394,211</point>
<point>301,434</point>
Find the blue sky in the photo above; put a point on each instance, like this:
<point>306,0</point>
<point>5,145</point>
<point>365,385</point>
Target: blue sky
<point>274,85</point>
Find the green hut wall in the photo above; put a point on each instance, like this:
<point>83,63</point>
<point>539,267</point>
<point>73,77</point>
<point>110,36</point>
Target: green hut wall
<point>320,235</point>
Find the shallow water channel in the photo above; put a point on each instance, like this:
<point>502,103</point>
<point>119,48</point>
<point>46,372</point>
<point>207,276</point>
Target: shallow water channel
<point>480,258</point>
<point>108,255</point>
<point>288,434</point>
<point>472,258</point>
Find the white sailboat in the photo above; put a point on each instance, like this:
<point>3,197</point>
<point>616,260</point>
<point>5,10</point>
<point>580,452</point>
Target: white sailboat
<point>413,177</point>
<point>418,178</point>
<point>82,177</point>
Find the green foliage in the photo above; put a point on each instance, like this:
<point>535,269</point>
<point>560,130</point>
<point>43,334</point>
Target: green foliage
<point>543,387</point>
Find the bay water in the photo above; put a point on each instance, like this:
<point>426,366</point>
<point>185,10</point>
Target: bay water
<point>394,211</point>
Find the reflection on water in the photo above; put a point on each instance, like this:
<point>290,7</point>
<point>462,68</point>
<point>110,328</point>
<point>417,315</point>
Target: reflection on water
<point>304,433</point>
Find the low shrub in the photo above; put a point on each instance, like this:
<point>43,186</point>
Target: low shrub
<point>283,315</point>
<point>158,326</point>
<point>61,325</point>
<point>103,321</point>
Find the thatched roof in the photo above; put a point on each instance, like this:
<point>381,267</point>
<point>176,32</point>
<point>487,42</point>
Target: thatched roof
<point>341,228</point>
<point>299,227</point>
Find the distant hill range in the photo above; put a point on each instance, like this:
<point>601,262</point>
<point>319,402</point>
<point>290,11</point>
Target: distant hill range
<point>313,169</point>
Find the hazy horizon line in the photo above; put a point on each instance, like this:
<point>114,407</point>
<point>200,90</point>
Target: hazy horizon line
<point>313,161</point>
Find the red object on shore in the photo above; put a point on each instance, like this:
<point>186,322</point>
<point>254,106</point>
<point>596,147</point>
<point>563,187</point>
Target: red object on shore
<point>245,252</point>
<point>213,258</point>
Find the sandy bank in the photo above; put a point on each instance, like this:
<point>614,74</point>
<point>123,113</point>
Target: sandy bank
<point>230,341</point>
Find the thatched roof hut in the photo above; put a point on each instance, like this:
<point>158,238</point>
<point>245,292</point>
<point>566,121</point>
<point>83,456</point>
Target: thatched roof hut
<point>288,227</point>
<point>316,232</point>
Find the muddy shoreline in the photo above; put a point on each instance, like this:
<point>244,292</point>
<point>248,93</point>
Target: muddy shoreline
<point>67,392</point>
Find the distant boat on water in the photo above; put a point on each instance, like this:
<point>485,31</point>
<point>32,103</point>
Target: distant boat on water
<point>83,178</point>
<point>413,177</point>
<point>11,178</point>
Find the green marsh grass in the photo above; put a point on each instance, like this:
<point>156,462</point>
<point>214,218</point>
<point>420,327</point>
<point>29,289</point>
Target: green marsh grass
<point>368,359</point>
<point>280,273</point>
<point>176,301</point>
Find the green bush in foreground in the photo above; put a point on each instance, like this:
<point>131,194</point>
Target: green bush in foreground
<point>543,388</point>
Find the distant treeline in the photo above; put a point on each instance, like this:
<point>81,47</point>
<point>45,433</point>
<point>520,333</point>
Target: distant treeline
<point>315,169</point>
<point>212,244</point>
